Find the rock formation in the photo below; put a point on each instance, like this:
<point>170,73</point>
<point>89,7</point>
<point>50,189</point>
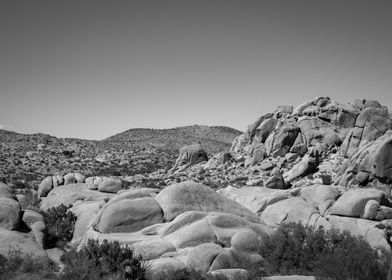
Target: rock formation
<point>320,164</point>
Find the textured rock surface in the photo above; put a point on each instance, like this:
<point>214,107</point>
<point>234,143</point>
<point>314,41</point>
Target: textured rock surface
<point>10,210</point>
<point>189,196</point>
<point>70,194</point>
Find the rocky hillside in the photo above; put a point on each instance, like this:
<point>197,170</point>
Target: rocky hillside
<point>27,159</point>
<point>321,164</point>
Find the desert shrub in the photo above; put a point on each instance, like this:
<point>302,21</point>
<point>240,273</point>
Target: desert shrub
<point>102,261</point>
<point>326,179</point>
<point>60,224</point>
<point>296,249</point>
<point>18,266</point>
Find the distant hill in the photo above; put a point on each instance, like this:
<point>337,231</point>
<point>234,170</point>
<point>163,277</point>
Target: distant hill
<point>28,158</point>
<point>213,138</point>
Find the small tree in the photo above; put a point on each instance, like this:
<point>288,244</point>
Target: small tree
<point>60,224</point>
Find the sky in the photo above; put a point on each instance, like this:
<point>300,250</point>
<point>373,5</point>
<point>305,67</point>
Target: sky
<point>91,69</point>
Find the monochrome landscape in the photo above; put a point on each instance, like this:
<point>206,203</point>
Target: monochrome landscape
<point>201,140</point>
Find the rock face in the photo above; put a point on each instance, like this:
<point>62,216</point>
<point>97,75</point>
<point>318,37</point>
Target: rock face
<point>370,125</point>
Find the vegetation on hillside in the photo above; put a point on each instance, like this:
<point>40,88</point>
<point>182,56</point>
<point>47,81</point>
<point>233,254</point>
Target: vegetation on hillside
<point>27,159</point>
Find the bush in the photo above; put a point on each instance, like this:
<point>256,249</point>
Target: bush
<point>296,249</point>
<point>18,266</point>
<point>102,261</point>
<point>60,224</point>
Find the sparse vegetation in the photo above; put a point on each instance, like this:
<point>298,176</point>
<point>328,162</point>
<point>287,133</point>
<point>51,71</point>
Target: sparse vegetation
<point>107,260</point>
<point>16,266</point>
<point>296,249</point>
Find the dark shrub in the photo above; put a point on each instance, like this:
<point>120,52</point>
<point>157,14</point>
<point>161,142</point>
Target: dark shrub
<point>100,261</point>
<point>296,249</point>
<point>60,224</point>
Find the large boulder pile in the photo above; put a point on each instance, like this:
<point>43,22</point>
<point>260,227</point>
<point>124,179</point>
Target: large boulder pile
<point>320,164</point>
<point>184,225</point>
<point>51,182</point>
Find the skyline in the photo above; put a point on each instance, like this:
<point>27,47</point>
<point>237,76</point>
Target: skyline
<point>92,69</point>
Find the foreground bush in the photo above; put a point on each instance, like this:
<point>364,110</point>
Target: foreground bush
<point>102,261</point>
<point>60,224</point>
<point>296,249</point>
<point>16,266</point>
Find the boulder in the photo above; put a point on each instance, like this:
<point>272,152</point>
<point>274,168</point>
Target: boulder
<point>190,196</point>
<point>281,139</point>
<point>225,226</point>
<point>200,257</point>
<point>256,154</point>
<point>276,180</point>
<point>79,178</point>
<point>317,129</point>
<point>255,199</point>
<point>371,209</point>
<point>320,196</point>
<point>283,111</point>
<point>245,240</point>
<point>307,165</point>
<point>6,191</point>
<point>383,161</point>
<point>129,215</point>
<point>10,213</point>
<point>69,194</point>
<point>45,186</point>
<point>370,125</point>
<point>10,209</point>
<point>110,185</point>
<point>36,224</point>
<point>231,274</point>
<point>152,249</point>
<point>192,234</point>
<point>190,155</point>
<point>85,211</point>
<point>69,179</point>
<point>264,130</point>
<point>218,160</point>
<point>251,129</point>
<point>352,203</point>
<point>293,209</point>
<point>24,242</point>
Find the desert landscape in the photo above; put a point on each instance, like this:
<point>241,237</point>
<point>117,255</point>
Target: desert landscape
<point>303,191</point>
<point>195,140</point>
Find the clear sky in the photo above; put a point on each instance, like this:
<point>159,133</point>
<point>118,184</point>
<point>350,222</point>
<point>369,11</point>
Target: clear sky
<point>90,69</point>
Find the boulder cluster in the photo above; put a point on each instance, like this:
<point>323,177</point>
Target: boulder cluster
<point>320,164</point>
